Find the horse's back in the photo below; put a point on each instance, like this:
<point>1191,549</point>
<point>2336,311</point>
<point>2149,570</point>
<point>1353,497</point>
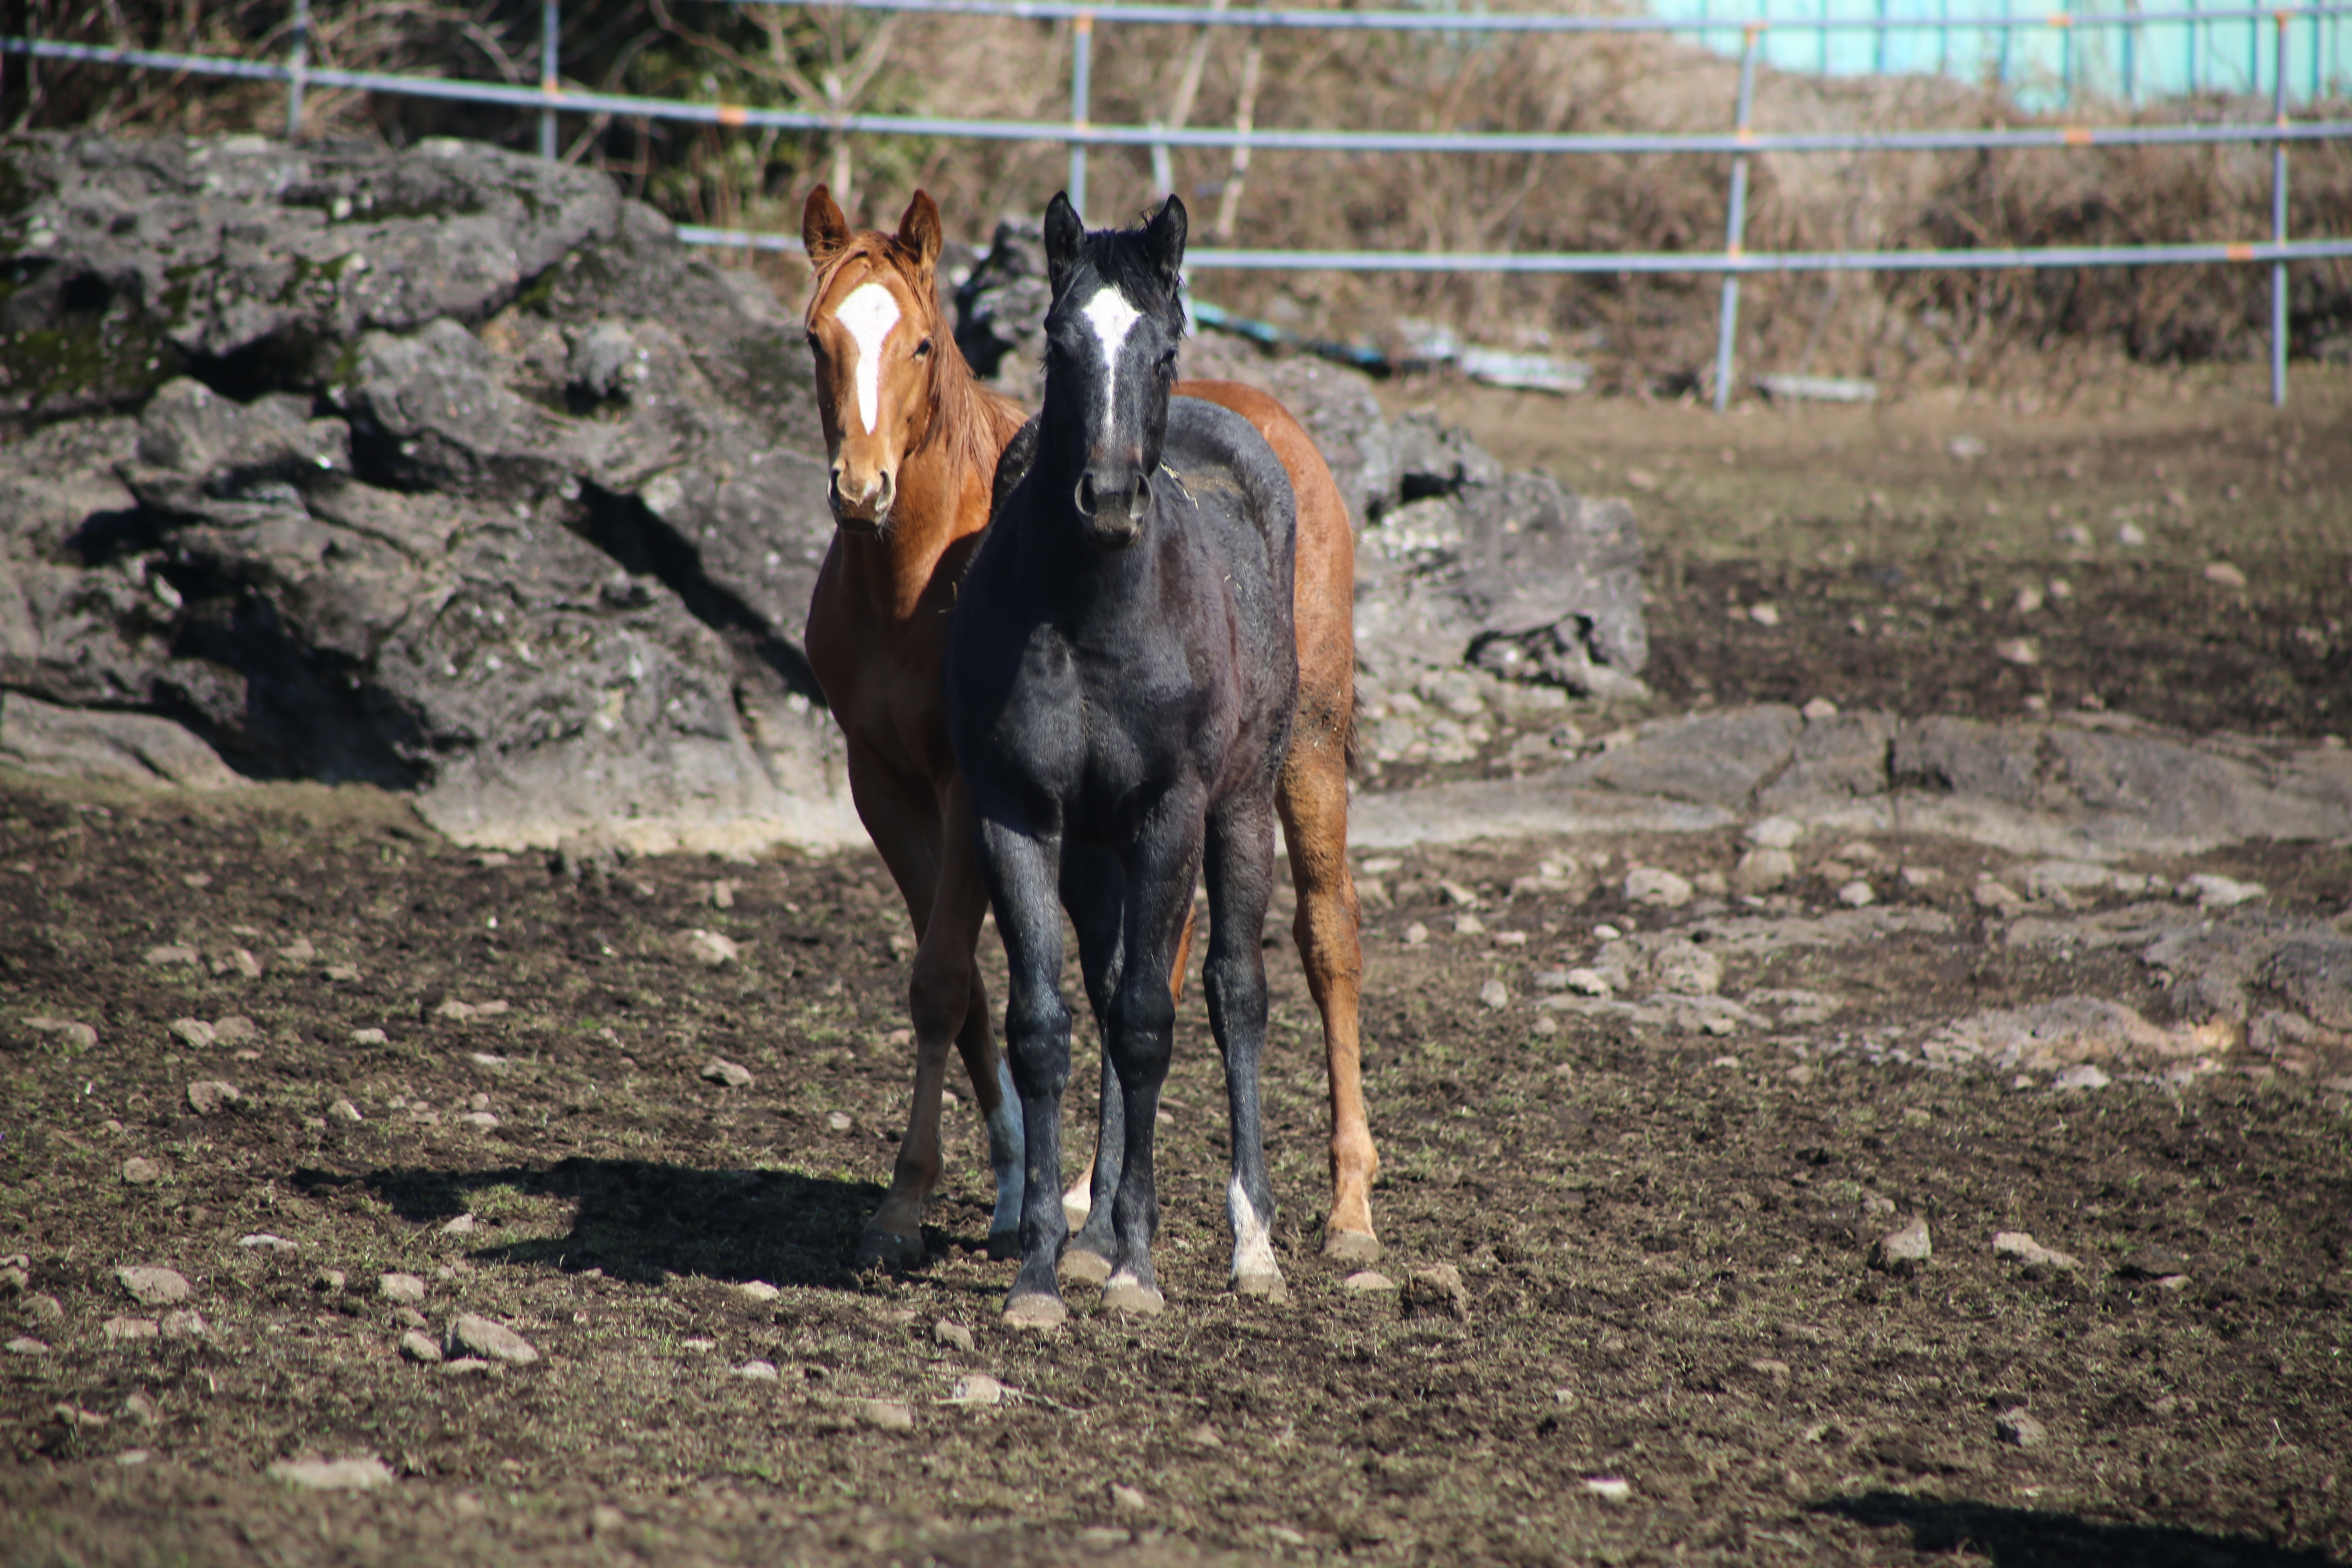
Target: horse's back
<point>1233,477</point>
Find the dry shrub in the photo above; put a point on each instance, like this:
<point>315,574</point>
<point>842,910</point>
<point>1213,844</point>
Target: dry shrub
<point>1646,333</point>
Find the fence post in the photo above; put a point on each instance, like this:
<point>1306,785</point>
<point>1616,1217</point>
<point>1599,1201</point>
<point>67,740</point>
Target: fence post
<point>550,28</point>
<point>2278,227</point>
<point>1082,72</point>
<point>297,64</point>
<point>1736,224</point>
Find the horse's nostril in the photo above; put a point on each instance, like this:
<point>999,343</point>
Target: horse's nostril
<point>1142,499</point>
<point>1085,495</point>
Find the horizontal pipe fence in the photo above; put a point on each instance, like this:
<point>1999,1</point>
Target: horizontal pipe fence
<point>1742,141</point>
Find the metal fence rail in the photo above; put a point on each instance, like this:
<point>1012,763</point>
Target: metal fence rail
<point>1079,132</point>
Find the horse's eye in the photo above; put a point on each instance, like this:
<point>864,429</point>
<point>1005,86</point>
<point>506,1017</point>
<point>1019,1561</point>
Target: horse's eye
<point>923,349</point>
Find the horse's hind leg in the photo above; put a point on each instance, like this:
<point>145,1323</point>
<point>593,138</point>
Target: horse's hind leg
<point>1240,865</point>
<point>1313,800</point>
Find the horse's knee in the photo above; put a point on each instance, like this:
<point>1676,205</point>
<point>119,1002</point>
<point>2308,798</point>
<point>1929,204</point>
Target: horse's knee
<point>937,999</point>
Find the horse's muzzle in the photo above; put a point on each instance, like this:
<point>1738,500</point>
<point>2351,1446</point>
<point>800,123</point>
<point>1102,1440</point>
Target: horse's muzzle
<point>869,510</point>
<point>1113,517</point>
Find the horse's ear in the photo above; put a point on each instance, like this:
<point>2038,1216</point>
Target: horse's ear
<point>824,229</point>
<point>1065,236</point>
<point>918,229</point>
<point>1163,239</point>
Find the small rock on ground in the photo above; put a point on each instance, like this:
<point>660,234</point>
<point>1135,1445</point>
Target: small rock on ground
<point>77,1036</point>
<point>758,1289</point>
<point>406,1287</point>
<point>155,1287</point>
<point>721,1071</point>
<point>2020,1430</point>
<point>139,1172</point>
<point>492,1340</point>
<point>130,1328</point>
<point>1857,894</point>
<point>24,1344</point>
<point>884,1414</point>
<point>1437,1291</point>
<point>343,1110</point>
<point>1367,1279</point>
<point>709,947</point>
<point>1494,996</point>
<point>185,1324</point>
<point>1664,889</point>
<point>955,1336</point>
<point>759,1371</point>
<point>2082,1075</point>
<point>1902,1251</point>
<point>2022,1246</point>
<point>418,1347</point>
<point>332,1475</point>
<point>208,1095</point>
<point>977,1388</point>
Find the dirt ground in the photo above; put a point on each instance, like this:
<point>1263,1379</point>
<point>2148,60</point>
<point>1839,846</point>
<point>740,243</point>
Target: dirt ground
<point>1669,1347</point>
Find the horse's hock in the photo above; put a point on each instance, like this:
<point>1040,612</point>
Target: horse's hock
<point>452,471</point>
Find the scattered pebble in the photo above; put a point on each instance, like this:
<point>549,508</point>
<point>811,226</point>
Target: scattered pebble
<point>343,1110</point>
<point>330,1282</point>
<point>884,1414</point>
<point>120,1329</point>
<point>977,1388</point>
<point>955,1335</point>
<point>298,951</point>
<point>332,1475</point>
<point>709,949</point>
<point>208,1095</point>
<point>1467,924</point>
<point>721,1071</point>
<point>2222,574</point>
<point>699,1346</point>
<point>2024,651</point>
<point>2020,1245</point>
<point>1588,983</point>
<point>140,1407</point>
<point>1818,708</point>
<point>840,1120</point>
<point>1437,1291</point>
<point>1544,1023</point>
<point>370,1038</point>
<point>2215,892</point>
<point>2082,1075</point>
<point>241,959</point>
<point>1857,894</point>
<point>1995,895</point>
<point>1775,833</point>
<point>1128,1500</point>
<point>758,1371</point>
<point>420,1348</point>
<point>263,1241</point>
<point>1494,996</point>
<point>2131,536</point>
<point>195,1033</point>
<point>406,1288</point>
<point>155,1287</point>
<point>1902,1251</point>
<point>236,1029</point>
<point>1763,869</point>
<point>171,954</point>
<point>465,1366</point>
<point>1368,1281</point>
<point>342,973</point>
<point>464,1225</point>
<point>185,1324</point>
<point>1966,448</point>
<point>491,1341</point>
<point>1608,1488</point>
<point>77,1037</point>
<point>139,1172</point>
<point>1920,876</point>
<point>484,1119</point>
<point>758,1289</point>
<point>1416,934</point>
<point>24,1344</point>
<point>2020,1430</point>
<point>1650,886</point>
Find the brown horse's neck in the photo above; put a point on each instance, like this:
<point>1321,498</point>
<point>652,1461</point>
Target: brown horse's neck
<point>942,488</point>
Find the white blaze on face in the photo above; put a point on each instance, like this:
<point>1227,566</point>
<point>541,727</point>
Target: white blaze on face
<point>870,314</point>
<point>1112,318</point>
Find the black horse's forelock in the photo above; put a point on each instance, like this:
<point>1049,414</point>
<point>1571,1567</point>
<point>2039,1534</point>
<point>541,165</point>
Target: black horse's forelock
<point>1122,258</point>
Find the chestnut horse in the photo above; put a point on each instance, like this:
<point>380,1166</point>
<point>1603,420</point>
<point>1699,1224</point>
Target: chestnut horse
<point>913,438</point>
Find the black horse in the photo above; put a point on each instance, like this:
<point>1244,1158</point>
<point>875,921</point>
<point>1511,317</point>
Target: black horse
<point>1120,683</point>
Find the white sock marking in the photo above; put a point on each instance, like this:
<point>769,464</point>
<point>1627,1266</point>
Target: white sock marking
<point>1112,318</point>
<point>1252,1240</point>
<point>870,314</point>
<point>1007,1153</point>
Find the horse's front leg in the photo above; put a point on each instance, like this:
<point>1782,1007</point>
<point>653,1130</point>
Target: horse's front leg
<point>1020,867</point>
<point>1239,866</point>
<point>959,906</point>
<point>1139,1035</point>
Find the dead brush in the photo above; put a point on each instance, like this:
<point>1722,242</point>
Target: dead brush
<point>1644,333</point>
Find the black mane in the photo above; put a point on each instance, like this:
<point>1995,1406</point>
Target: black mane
<point>1122,259</point>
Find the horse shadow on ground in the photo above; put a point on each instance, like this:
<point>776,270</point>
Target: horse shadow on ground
<point>2031,1537</point>
<point>639,1220</point>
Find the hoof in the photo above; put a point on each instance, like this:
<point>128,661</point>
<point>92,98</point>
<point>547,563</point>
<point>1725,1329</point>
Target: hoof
<point>1036,1311</point>
<point>886,1249</point>
<point>1261,1287</point>
<point>1126,1297</point>
<point>1003,1245</point>
<point>1086,1266</point>
<point>1356,1248</point>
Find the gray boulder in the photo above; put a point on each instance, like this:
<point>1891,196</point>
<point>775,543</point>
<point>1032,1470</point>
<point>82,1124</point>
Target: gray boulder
<point>444,470</point>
